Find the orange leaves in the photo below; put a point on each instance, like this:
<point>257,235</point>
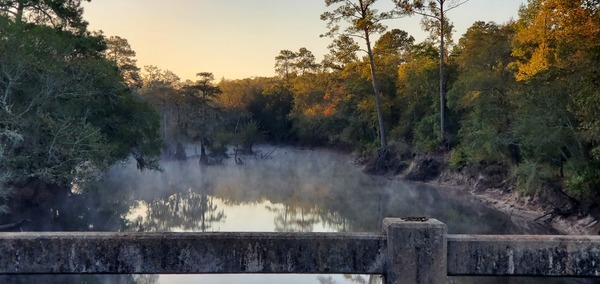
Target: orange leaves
<point>321,106</point>
<point>554,33</point>
<point>539,61</point>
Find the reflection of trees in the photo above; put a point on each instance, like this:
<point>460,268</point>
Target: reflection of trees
<point>294,218</point>
<point>182,208</point>
<point>335,221</point>
<point>302,218</point>
<point>99,206</point>
<point>304,188</point>
<point>189,211</point>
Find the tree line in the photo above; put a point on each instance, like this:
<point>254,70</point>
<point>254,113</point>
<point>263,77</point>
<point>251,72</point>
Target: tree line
<point>523,95</point>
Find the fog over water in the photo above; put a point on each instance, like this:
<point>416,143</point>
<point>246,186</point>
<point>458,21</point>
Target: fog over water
<point>290,189</point>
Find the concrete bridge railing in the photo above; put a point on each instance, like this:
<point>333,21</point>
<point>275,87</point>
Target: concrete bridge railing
<point>407,251</point>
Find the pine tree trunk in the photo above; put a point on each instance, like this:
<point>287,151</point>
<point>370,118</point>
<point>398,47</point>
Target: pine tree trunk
<point>442,81</point>
<point>382,139</point>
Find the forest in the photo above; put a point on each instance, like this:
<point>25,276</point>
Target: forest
<point>518,99</point>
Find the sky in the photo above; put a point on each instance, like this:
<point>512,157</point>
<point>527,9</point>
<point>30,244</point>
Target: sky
<point>236,39</point>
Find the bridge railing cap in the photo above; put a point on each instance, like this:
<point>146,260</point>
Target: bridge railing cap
<point>412,222</point>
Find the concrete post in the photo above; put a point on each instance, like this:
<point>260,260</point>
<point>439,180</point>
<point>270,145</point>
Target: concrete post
<point>416,250</point>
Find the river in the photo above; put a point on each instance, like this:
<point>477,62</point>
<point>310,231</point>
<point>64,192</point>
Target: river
<point>278,189</point>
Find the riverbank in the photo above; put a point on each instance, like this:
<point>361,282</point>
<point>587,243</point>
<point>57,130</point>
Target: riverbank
<point>529,208</point>
<point>501,195</point>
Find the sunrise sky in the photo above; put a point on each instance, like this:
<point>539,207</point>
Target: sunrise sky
<point>238,39</point>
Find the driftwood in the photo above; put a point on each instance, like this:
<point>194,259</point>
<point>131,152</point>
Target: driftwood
<point>13,226</point>
<point>268,155</point>
<point>551,214</point>
<point>237,159</point>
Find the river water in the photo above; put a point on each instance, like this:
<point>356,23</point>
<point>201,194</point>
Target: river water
<point>278,189</point>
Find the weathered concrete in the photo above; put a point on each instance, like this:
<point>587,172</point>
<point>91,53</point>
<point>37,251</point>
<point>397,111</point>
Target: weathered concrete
<point>76,252</point>
<point>416,251</point>
<point>524,255</point>
<point>406,252</point>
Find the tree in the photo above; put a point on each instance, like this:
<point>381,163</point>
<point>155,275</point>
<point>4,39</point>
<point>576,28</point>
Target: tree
<point>159,89</point>
<point>205,85</point>
<point>284,64</point>
<point>435,10</point>
<point>482,93</point>
<point>305,61</point>
<point>393,42</point>
<point>558,53</point>
<point>119,51</point>
<point>266,101</point>
<point>61,14</point>
<point>65,112</point>
<point>270,107</point>
<point>203,119</point>
<point>9,140</point>
<point>289,64</point>
<point>556,34</point>
<point>363,22</point>
<point>206,112</point>
<point>417,123</point>
<point>342,51</point>
<point>390,52</point>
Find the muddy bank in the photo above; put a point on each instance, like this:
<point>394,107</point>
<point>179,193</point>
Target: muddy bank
<point>491,185</point>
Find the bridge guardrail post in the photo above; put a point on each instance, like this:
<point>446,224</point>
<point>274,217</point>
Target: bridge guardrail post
<point>416,250</point>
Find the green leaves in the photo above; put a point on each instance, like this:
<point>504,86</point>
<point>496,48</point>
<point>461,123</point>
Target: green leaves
<point>70,106</point>
<point>289,64</point>
<point>359,16</point>
<point>481,92</point>
<point>66,15</point>
<point>557,52</point>
<point>362,21</point>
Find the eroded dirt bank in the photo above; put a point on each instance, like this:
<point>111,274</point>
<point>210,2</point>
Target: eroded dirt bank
<point>550,207</point>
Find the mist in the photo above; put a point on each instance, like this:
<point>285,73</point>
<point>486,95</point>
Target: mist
<point>289,189</point>
<point>275,189</point>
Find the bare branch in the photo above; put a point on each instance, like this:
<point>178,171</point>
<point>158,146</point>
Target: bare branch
<point>456,5</point>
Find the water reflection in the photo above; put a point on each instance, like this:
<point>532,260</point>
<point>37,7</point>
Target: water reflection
<point>294,190</point>
<point>182,211</point>
<point>297,190</point>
